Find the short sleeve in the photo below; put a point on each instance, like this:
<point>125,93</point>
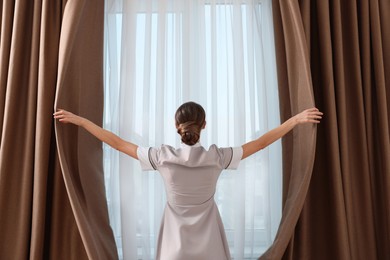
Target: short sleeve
<point>231,157</point>
<point>147,157</point>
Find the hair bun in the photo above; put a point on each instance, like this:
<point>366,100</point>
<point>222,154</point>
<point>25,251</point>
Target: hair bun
<point>190,119</point>
<point>189,132</point>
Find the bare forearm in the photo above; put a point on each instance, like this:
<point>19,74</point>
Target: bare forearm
<point>268,138</point>
<point>311,115</point>
<point>103,135</point>
<point>276,133</point>
<point>100,133</point>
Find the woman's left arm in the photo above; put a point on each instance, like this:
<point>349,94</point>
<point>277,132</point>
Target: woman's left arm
<point>103,135</point>
<point>312,115</point>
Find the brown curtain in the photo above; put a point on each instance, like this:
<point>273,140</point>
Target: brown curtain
<point>346,211</point>
<point>296,94</point>
<point>52,200</point>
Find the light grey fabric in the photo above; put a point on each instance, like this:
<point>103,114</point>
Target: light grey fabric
<point>191,227</point>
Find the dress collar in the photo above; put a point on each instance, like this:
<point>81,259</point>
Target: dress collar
<point>195,145</point>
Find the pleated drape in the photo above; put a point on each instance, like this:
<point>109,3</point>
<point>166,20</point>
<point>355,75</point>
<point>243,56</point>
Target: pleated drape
<point>295,95</point>
<point>346,211</point>
<point>52,201</point>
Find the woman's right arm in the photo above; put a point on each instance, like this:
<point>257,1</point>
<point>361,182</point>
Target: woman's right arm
<point>103,135</point>
<point>312,115</point>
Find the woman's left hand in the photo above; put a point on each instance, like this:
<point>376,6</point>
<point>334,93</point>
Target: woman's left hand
<point>311,115</point>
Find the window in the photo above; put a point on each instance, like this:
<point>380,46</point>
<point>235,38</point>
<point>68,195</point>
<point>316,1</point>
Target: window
<point>159,54</point>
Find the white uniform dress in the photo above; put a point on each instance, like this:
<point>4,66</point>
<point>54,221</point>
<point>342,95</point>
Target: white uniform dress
<point>191,228</point>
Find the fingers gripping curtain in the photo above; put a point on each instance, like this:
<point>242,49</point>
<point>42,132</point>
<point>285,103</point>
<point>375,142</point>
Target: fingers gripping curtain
<point>50,51</point>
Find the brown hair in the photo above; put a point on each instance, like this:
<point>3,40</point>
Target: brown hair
<point>190,119</point>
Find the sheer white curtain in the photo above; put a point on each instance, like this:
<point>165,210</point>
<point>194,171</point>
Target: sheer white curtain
<point>159,54</point>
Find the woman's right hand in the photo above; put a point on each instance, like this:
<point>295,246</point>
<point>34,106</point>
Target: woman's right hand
<point>311,115</point>
<point>67,117</point>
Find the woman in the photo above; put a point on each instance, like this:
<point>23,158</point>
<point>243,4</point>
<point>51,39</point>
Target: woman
<point>191,227</point>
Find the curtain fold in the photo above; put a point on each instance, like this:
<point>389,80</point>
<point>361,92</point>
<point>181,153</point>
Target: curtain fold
<point>346,212</point>
<point>295,94</point>
<point>38,216</point>
<point>80,89</point>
